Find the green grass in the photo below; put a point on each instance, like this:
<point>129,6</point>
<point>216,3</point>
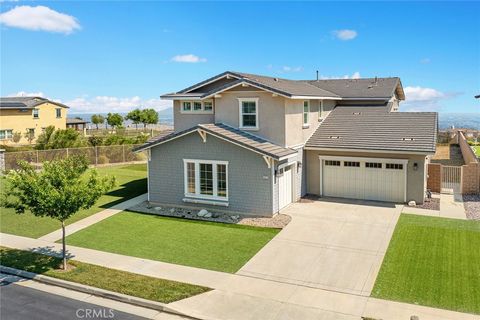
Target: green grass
<point>433,262</point>
<point>207,245</point>
<point>476,149</point>
<point>109,279</point>
<point>131,182</point>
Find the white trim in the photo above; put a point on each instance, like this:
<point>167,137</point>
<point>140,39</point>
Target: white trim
<point>199,85</point>
<point>202,134</point>
<point>386,99</point>
<point>368,150</point>
<point>293,155</point>
<point>197,194</point>
<point>287,164</point>
<point>240,113</point>
<point>320,110</point>
<point>314,98</point>
<point>306,124</point>
<point>175,97</point>
<point>365,159</point>
<point>268,161</point>
<point>192,111</point>
<point>250,84</point>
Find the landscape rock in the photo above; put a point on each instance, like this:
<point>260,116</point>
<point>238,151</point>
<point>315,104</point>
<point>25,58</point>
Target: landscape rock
<point>203,213</point>
<point>172,210</point>
<point>412,203</point>
<point>158,208</point>
<point>208,215</point>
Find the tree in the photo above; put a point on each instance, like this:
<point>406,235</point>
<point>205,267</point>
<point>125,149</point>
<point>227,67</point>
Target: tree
<point>58,139</point>
<point>29,135</point>
<point>44,138</point>
<point>58,191</point>
<point>135,116</point>
<point>114,120</point>
<point>97,119</point>
<point>148,116</point>
<point>17,135</point>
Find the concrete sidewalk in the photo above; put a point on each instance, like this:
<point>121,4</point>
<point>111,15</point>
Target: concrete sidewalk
<point>97,217</point>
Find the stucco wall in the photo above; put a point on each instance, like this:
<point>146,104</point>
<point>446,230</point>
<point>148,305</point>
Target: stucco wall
<point>183,121</point>
<point>249,179</point>
<point>416,179</point>
<point>19,121</point>
<point>271,113</point>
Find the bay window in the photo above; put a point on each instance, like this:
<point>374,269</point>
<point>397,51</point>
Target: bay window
<point>206,179</point>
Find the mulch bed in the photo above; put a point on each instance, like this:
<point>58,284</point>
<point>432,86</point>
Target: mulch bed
<point>471,203</point>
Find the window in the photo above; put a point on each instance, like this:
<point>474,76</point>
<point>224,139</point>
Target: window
<point>351,164</point>
<point>197,105</point>
<point>187,106</point>
<point>208,106</point>
<point>306,112</point>
<point>58,112</point>
<point>6,134</point>
<point>206,179</point>
<point>35,113</point>
<point>248,113</point>
<point>374,165</point>
<point>394,166</point>
<point>332,163</point>
<point>320,110</point>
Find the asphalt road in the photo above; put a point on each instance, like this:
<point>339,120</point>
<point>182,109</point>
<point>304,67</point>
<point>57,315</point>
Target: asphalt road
<point>21,303</point>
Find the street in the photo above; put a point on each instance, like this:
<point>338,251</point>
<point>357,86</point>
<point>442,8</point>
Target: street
<point>21,303</point>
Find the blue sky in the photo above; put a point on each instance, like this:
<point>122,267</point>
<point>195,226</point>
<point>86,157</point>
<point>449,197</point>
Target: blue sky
<point>113,56</point>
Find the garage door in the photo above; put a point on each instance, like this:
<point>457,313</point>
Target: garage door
<point>364,178</point>
<point>285,187</point>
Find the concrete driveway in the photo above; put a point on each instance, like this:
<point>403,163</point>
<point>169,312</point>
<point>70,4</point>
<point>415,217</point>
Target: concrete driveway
<point>331,245</point>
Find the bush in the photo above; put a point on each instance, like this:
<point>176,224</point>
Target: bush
<point>103,160</point>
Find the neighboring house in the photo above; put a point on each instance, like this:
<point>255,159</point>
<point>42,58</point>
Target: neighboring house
<point>28,117</point>
<point>77,124</point>
<point>252,144</point>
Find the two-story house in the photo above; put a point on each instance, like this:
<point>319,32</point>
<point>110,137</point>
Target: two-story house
<point>27,117</point>
<point>252,144</point>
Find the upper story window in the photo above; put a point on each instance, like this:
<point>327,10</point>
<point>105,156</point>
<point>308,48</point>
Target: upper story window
<point>248,113</point>
<point>36,113</point>
<point>197,107</point>
<point>306,113</point>
<point>320,110</point>
<point>58,112</point>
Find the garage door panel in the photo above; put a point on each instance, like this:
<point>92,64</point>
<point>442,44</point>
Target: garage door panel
<point>361,182</point>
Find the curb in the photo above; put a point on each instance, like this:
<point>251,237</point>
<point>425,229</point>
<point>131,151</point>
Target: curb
<point>158,306</point>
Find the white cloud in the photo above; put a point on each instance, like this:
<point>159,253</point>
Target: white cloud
<point>424,99</point>
<point>188,58</point>
<point>39,18</point>
<point>27,94</point>
<point>104,104</point>
<point>345,34</point>
<point>292,69</point>
<point>355,75</point>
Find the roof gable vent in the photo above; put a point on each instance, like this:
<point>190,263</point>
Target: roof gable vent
<point>334,137</point>
<point>408,139</point>
<point>356,113</point>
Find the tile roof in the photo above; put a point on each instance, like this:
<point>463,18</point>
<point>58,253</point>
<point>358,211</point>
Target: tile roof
<point>25,102</point>
<point>374,128</point>
<point>230,134</point>
<point>375,88</point>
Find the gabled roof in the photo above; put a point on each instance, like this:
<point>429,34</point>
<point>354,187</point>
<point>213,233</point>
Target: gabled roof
<point>376,129</point>
<point>230,134</point>
<point>76,121</point>
<point>375,88</point>
<point>25,102</point>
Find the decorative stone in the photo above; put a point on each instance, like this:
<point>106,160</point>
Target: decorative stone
<point>158,208</point>
<point>235,217</point>
<point>202,213</point>
<point>208,215</point>
<point>412,203</point>
<point>215,215</point>
<point>172,210</point>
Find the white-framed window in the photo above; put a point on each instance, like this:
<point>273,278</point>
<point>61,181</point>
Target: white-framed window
<point>6,134</point>
<point>206,179</point>
<point>58,112</point>
<point>205,107</point>
<point>306,113</point>
<point>36,113</point>
<point>248,113</point>
<point>320,110</point>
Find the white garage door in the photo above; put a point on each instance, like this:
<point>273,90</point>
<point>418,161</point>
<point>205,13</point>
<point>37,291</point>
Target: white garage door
<point>364,178</point>
<point>285,187</point>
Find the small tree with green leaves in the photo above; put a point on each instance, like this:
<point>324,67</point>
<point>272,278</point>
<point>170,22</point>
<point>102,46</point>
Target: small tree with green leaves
<point>114,120</point>
<point>17,135</point>
<point>148,116</point>
<point>58,191</point>
<point>135,116</point>
<point>29,135</point>
<point>97,119</point>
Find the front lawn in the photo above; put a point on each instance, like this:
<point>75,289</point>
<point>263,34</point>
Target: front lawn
<point>131,182</point>
<point>476,149</point>
<point>208,245</point>
<point>150,288</point>
<point>433,262</point>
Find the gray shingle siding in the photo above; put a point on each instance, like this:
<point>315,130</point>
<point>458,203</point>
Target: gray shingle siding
<point>249,178</point>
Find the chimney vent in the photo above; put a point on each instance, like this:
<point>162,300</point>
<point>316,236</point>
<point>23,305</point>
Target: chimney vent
<point>317,75</point>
